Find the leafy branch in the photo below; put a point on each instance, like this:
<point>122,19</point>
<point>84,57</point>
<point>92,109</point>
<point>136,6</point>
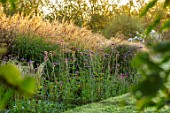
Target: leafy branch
<point>155,68</point>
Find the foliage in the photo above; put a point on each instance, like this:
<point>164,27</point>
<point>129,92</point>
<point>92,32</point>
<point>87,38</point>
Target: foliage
<point>68,11</point>
<point>128,25</point>
<point>158,18</point>
<point>31,47</point>
<point>11,82</point>
<point>12,3</point>
<point>71,75</point>
<point>74,77</point>
<point>92,14</point>
<point>79,66</point>
<point>155,68</point>
<point>98,22</point>
<point>25,7</point>
<point>82,13</point>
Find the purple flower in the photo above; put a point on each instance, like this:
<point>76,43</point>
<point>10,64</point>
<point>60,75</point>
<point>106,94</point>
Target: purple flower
<point>61,83</point>
<point>45,53</point>
<point>73,59</point>
<point>125,57</point>
<point>77,72</point>
<point>122,76</point>
<point>66,60</point>
<point>45,57</point>
<point>30,62</point>
<point>81,53</point>
<point>22,59</point>
<point>55,63</point>
<point>126,75</point>
<point>106,56</point>
<point>118,65</point>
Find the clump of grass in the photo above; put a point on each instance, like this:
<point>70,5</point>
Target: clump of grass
<point>54,32</point>
<point>31,47</point>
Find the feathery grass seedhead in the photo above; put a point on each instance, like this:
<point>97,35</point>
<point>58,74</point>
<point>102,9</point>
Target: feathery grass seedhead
<point>54,32</point>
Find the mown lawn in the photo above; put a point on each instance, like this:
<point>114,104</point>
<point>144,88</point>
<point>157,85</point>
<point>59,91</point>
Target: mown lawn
<point>120,104</point>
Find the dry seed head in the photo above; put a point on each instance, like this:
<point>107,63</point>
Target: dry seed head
<point>54,32</point>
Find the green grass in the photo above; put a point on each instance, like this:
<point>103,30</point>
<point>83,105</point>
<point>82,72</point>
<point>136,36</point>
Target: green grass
<point>120,104</point>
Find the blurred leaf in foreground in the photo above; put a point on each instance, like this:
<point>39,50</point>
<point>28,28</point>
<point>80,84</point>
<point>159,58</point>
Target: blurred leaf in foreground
<point>10,79</point>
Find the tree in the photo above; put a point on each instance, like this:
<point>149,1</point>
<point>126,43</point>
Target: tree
<point>26,7</point>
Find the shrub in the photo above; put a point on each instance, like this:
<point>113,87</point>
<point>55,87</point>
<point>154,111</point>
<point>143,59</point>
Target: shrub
<point>54,32</point>
<point>98,22</point>
<point>128,25</point>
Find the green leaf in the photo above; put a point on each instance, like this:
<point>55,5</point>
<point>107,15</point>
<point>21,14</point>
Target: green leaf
<point>11,74</point>
<point>166,25</point>
<point>161,103</point>
<point>148,6</point>
<point>3,1</point>
<point>162,47</point>
<point>153,25</point>
<point>137,61</point>
<point>12,3</point>
<point>165,59</point>
<point>145,102</point>
<point>144,58</point>
<point>6,96</point>
<point>28,85</point>
<point>150,85</point>
<point>166,3</point>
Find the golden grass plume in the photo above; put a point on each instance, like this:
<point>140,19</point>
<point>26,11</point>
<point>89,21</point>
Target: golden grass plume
<point>56,32</point>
